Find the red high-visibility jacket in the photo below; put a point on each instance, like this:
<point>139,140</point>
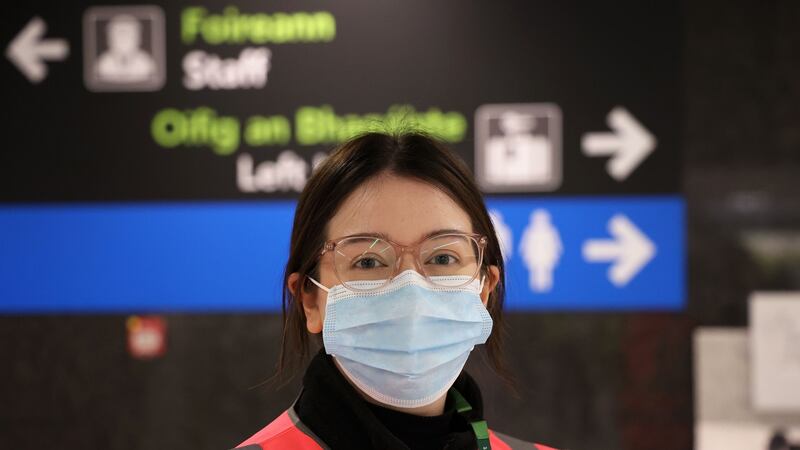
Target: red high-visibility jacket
<point>288,432</point>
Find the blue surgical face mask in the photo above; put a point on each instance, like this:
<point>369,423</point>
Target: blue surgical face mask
<point>405,344</point>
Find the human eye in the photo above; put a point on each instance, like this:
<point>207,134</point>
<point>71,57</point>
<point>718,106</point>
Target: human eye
<point>367,263</point>
<point>442,259</point>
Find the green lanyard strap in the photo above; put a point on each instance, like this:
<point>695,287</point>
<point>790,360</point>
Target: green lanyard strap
<point>479,427</point>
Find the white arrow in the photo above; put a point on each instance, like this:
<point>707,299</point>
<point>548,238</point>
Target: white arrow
<point>630,250</point>
<point>28,51</point>
<point>628,145</point>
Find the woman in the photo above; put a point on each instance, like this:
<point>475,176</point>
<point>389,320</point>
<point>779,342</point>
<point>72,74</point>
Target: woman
<point>395,269</point>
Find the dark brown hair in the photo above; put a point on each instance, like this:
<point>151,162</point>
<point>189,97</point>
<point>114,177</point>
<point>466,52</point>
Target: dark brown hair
<point>407,154</point>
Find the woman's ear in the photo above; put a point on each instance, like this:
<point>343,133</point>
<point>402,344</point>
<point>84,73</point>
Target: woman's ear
<point>489,283</point>
<point>309,300</point>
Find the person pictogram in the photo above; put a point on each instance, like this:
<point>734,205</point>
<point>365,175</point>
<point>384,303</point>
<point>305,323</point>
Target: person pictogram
<point>541,250</point>
<point>503,232</point>
<point>125,61</point>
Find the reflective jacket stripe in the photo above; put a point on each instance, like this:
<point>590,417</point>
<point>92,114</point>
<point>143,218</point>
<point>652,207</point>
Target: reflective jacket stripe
<point>288,432</point>
<point>283,432</point>
<point>500,441</point>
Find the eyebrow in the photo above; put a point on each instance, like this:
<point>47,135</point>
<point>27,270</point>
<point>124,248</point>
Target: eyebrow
<point>426,236</point>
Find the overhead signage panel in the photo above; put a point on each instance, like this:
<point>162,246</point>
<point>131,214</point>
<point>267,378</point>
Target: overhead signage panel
<point>216,100</point>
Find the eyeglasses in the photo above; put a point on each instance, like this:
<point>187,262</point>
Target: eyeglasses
<point>446,260</point>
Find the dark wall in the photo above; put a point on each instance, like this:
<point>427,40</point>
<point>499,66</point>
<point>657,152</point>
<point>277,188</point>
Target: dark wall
<point>586,381</point>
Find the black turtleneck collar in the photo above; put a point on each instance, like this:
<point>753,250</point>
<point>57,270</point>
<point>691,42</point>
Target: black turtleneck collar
<point>341,418</point>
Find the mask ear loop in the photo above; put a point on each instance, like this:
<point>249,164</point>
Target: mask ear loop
<point>319,285</point>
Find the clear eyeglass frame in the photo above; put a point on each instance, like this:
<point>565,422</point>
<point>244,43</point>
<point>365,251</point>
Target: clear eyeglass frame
<point>479,241</point>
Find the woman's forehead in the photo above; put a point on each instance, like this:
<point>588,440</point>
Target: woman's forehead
<point>401,208</point>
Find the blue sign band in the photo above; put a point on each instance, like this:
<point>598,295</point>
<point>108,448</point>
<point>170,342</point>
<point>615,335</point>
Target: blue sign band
<point>230,256</point>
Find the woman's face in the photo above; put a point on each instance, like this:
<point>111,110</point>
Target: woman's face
<point>405,210</point>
